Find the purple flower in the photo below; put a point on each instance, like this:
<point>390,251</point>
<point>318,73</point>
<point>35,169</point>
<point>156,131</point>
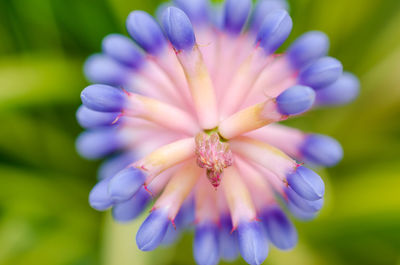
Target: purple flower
<point>189,108</point>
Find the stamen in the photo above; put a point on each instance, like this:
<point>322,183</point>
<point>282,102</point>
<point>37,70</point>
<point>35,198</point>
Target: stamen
<point>213,155</point>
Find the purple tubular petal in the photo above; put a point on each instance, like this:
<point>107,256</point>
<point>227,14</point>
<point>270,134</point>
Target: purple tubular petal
<point>112,166</point>
<point>307,48</point>
<point>281,232</point>
<point>99,198</point>
<point>171,235</point>
<point>88,118</point>
<point>102,69</point>
<point>129,210</point>
<point>160,10</point>
<point>303,204</point>
<point>321,150</point>
<point>274,30</point>
<point>103,98</point>
<point>98,143</point>
<point>321,73</point>
<point>152,231</point>
<point>262,9</point>
<point>236,13</point>
<point>123,50</point>
<point>126,184</point>
<point>228,245</point>
<point>206,246</point>
<point>253,244</point>
<point>185,215</point>
<point>300,214</point>
<point>178,28</point>
<point>295,100</point>
<point>196,10</point>
<point>145,31</point>
<point>306,183</point>
<point>343,91</point>
<point>217,15</point>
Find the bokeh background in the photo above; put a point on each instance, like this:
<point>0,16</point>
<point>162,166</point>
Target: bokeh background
<point>44,215</point>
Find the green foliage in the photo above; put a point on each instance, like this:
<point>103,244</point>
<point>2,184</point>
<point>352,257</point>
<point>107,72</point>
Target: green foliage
<point>44,214</point>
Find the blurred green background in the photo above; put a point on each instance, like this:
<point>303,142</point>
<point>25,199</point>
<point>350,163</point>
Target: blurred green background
<point>44,215</point>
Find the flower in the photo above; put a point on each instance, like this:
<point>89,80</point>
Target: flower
<point>188,109</point>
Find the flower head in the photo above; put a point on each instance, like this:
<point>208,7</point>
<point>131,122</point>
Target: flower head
<point>188,110</point>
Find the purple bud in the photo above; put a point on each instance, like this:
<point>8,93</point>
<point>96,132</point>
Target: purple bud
<point>206,246</point>
<point>262,9</point>
<point>97,143</point>
<point>113,165</point>
<point>217,15</point>
<point>308,48</point>
<point>185,215</point>
<point>88,118</point>
<point>274,30</point>
<point>321,150</point>
<point>160,10</point>
<point>126,184</point>
<point>99,198</point>
<point>102,69</point>
<point>129,210</point>
<point>171,235</point>
<point>321,73</point>
<point>281,232</point>
<point>295,100</point>
<point>303,204</point>
<point>145,31</point>
<point>300,214</point>
<point>306,183</point>
<point>228,245</point>
<point>103,98</point>
<point>152,230</point>
<point>196,10</point>
<point>235,15</point>
<point>253,243</point>
<point>178,28</point>
<point>123,50</point>
<point>343,91</point>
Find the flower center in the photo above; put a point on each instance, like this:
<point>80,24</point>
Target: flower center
<point>213,155</point>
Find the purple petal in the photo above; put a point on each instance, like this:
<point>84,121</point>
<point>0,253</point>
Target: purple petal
<point>178,29</point>
<point>274,30</point>
<point>103,98</point>
<point>152,230</point>
<point>102,69</point>
<point>88,118</point>
<point>321,150</point>
<point>281,232</point>
<point>145,31</point>
<point>321,73</point>
<point>306,183</point>
<point>125,184</point>
<point>98,196</point>
<point>123,50</point>
<point>307,48</point>
<point>236,13</point>
<point>129,210</point>
<point>253,244</point>
<point>206,246</point>
<point>295,100</point>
